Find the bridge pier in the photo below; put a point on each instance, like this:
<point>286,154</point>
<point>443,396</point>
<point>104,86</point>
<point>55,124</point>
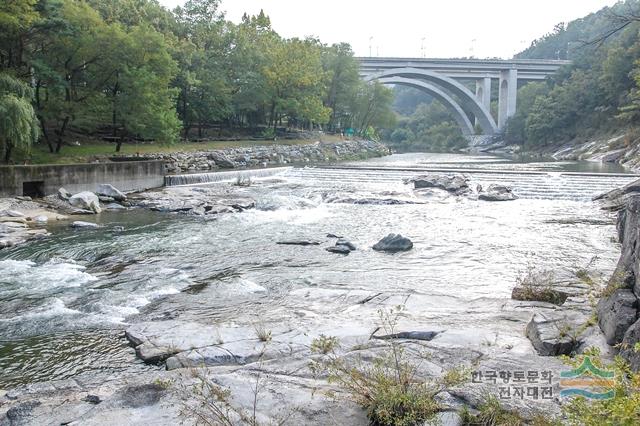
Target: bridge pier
<point>507,96</point>
<point>483,93</point>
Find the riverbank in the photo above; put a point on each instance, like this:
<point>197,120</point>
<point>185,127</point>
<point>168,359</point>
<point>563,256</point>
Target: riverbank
<point>189,292</point>
<point>621,148</point>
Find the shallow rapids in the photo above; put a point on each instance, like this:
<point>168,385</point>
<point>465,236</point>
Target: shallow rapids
<point>64,301</point>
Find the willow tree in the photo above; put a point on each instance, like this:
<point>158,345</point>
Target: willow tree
<point>18,122</point>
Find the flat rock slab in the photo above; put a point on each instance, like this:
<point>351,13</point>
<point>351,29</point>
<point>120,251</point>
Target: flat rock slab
<point>189,344</point>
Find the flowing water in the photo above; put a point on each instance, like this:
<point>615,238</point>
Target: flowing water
<point>64,301</point>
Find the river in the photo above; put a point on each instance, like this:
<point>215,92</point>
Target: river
<point>65,301</point>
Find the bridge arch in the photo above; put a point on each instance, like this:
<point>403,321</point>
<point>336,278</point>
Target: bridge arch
<point>482,114</point>
<point>458,113</point>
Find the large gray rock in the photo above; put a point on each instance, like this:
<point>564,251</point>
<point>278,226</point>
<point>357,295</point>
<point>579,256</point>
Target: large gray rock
<point>222,160</point>
<point>393,243</point>
<point>86,200</point>
<point>78,224</point>
<point>616,313</point>
<point>628,227</point>
<point>628,347</point>
<point>551,336</point>
<point>497,193</point>
<point>455,184</point>
<point>107,190</point>
<point>63,194</point>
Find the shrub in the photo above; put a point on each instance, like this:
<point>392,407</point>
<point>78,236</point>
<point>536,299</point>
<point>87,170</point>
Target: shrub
<point>491,413</point>
<point>536,286</point>
<point>388,388</point>
<point>622,409</point>
<point>324,344</point>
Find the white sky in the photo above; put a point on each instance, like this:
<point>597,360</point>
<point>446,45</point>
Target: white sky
<point>450,28</point>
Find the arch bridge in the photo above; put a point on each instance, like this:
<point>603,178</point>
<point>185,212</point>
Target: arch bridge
<point>446,80</point>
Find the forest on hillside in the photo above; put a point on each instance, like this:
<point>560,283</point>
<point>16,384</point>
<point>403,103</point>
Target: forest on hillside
<point>597,94</point>
<point>123,70</point>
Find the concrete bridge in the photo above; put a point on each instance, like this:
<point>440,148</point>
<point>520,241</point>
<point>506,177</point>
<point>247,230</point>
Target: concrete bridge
<point>448,81</point>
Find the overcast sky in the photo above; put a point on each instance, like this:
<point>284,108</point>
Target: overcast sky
<point>450,28</point>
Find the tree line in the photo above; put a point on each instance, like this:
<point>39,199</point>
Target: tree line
<point>131,69</point>
<point>598,93</point>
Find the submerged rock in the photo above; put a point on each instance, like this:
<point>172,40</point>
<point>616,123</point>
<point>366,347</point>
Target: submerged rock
<point>393,243</point>
<point>410,335</point>
<point>86,200</point>
<point>497,193</point>
<point>107,190</point>
<point>299,243</point>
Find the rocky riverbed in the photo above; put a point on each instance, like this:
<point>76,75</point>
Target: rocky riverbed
<point>208,291</point>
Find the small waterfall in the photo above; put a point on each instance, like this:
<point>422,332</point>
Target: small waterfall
<point>213,177</point>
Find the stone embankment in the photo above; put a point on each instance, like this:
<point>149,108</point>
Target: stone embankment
<point>270,155</point>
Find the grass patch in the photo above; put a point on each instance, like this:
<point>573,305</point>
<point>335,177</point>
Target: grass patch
<point>388,388</point>
<point>622,409</point>
<point>324,344</point>
<point>491,413</point>
<point>537,286</point>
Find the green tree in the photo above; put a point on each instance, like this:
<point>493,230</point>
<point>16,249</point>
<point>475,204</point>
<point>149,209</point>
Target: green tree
<point>294,79</point>
<point>342,74</point>
<point>18,121</point>
<point>371,107</point>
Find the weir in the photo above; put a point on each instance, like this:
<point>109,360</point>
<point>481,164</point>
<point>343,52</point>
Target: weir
<point>214,177</point>
<point>526,184</point>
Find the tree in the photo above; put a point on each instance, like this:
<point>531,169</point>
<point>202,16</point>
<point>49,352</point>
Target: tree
<point>18,121</point>
<point>371,107</point>
<point>294,79</point>
<point>138,98</point>
<point>341,71</point>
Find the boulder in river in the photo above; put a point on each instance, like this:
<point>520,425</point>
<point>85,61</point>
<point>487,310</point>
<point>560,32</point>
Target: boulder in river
<point>497,193</point>
<point>346,243</point>
<point>107,190</point>
<point>86,200</point>
<point>63,194</point>
<point>221,160</point>
<point>338,249</point>
<point>79,224</point>
<point>393,243</point>
<point>455,184</point>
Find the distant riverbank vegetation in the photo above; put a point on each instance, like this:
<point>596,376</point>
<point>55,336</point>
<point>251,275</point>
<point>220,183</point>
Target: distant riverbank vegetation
<point>131,70</point>
<point>597,94</point>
